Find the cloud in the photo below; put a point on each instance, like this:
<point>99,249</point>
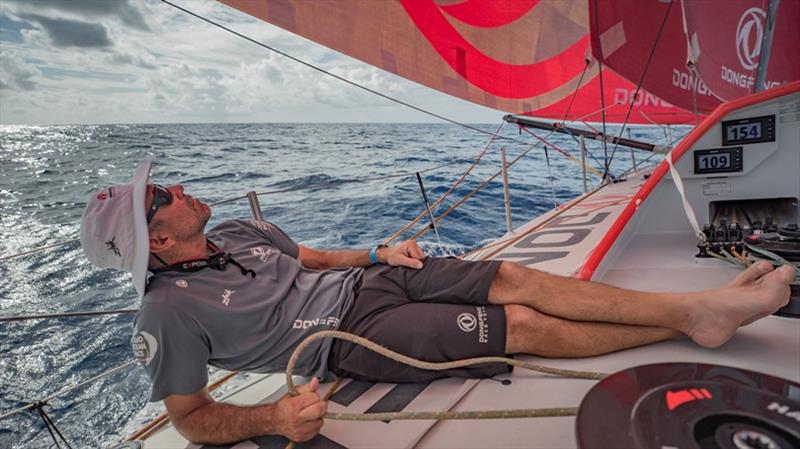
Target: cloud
<point>121,10</point>
<point>16,73</point>
<point>71,33</point>
<point>145,60</point>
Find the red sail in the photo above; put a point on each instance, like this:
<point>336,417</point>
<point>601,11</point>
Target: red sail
<point>518,56</point>
<point>721,38</point>
<point>726,40</point>
<point>625,32</point>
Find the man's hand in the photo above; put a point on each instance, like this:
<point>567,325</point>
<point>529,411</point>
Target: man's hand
<point>299,418</point>
<point>406,254</point>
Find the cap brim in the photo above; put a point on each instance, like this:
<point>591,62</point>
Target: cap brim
<point>141,256</point>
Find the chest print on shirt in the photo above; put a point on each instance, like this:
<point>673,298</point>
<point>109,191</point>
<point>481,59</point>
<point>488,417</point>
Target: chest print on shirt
<point>226,296</point>
<point>263,225</point>
<point>262,253</point>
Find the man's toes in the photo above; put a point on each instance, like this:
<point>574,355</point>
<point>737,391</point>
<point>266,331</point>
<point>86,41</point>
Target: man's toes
<point>752,273</point>
<point>785,274</point>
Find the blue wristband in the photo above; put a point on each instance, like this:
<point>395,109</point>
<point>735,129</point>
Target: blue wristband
<point>373,255</point>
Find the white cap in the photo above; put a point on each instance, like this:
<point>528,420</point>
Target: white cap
<point>114,228</point>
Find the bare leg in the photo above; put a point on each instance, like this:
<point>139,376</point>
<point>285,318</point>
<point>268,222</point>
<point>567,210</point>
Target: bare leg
<point>710,318</point>
<point>532,332</point>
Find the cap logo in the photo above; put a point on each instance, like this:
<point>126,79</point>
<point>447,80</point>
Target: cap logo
<point>112,246</point>
<point>102,195</point>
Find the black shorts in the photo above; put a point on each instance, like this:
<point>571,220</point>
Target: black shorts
<point>438,313</point>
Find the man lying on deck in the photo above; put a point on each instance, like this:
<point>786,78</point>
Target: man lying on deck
<point>244,295</point>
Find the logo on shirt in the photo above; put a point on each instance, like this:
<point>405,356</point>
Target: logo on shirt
<point>263,225</point>
<point>226,296</point>
<point>262,253</point>
<point>331,321</point>
<point>181,283</point>
<point>144,347</point>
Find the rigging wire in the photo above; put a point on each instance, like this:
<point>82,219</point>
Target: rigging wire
<point>470,194</point>
<point>91,313</point>
<point>652,155</point>
<point>587,63</point>
<point>68,389</point>
<point>641,78</point>
<point>602,98</point>
<point>550,177</point>
<point>445,194</point>
<point>51,426</point>
<point>39,249</point>
<point>321,70</point>
<point>238,198</point>
<point>562,151</point>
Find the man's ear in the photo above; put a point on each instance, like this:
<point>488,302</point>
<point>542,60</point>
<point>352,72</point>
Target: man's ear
<point>160,241</point>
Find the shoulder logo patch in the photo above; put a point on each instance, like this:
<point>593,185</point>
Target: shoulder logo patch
<point>144,347</point>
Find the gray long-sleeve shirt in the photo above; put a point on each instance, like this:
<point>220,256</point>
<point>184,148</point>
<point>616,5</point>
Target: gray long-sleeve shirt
<point>236,322</point>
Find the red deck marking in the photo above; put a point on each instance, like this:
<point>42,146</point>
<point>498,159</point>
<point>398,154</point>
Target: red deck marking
<point>677,398</point>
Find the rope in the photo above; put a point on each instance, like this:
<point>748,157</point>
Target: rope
<point>430,214</point>
<point>550,177</point>
<point>671,144</point>
<point>586,63</point>
<point>445,194</point>
<point>41,248</point>
<point>68,389</point>
<point>641,79</point>
<point>469,195</point>
<point>51,426</point>
<point>67,315</point>
<point>437,366</point>
<point>563,152</point>
<point>503,244</point>
<point>575,138</point>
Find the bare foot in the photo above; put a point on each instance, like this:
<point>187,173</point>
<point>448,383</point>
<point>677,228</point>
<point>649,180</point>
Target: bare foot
<point>757,292</point>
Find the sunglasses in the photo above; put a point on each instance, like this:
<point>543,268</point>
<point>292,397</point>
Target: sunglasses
<point>161,197</point>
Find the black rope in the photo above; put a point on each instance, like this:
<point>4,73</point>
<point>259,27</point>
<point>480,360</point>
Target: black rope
<point>428,208</point>
<point>641,78</point>
<point>575,92</point>
<point>52,429</point>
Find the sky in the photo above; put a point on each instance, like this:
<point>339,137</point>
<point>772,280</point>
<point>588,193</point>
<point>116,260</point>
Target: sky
<point>143,61</point>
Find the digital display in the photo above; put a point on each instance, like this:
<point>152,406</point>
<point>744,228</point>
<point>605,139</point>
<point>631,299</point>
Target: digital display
<point>721,160</point>
<point>749,130</point>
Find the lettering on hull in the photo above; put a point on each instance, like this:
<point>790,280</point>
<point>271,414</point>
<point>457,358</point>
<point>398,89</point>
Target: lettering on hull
<point>557,237</point>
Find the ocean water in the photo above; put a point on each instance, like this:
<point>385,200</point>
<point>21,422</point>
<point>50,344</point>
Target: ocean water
<point>47,172</point>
